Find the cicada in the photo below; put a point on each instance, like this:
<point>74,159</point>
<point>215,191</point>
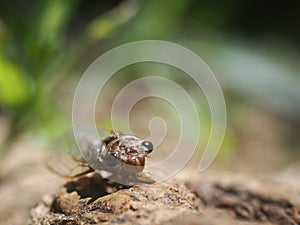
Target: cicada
<point>118,156</point>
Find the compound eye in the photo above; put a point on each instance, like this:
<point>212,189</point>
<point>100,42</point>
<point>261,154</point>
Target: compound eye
<point>148,145</point>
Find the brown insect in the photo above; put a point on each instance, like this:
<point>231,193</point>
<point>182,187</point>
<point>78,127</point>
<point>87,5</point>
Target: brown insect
<point>118,156</point>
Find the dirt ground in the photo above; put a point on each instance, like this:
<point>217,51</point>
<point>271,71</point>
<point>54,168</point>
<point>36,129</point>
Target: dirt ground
<point>25,180</point>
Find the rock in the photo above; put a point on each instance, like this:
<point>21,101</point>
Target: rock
<point>205,201</point>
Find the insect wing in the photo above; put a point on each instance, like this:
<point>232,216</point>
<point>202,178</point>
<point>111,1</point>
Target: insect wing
<point>67,160</point>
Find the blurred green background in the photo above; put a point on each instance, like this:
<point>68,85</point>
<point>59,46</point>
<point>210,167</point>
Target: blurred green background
<point>252,47</point>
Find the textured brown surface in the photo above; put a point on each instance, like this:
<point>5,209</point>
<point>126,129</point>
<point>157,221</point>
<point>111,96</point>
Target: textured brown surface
<point>211,199</point>
<point>250,199</point>
<point>142,204</point>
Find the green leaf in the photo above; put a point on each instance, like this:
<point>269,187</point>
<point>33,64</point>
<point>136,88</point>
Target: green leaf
<point>14,87</point>
<point>105,25</point>
<point>157,19</point>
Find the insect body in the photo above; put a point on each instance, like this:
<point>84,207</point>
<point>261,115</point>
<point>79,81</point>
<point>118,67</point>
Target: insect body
<point>123,155</point>
<point>120,156</point>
